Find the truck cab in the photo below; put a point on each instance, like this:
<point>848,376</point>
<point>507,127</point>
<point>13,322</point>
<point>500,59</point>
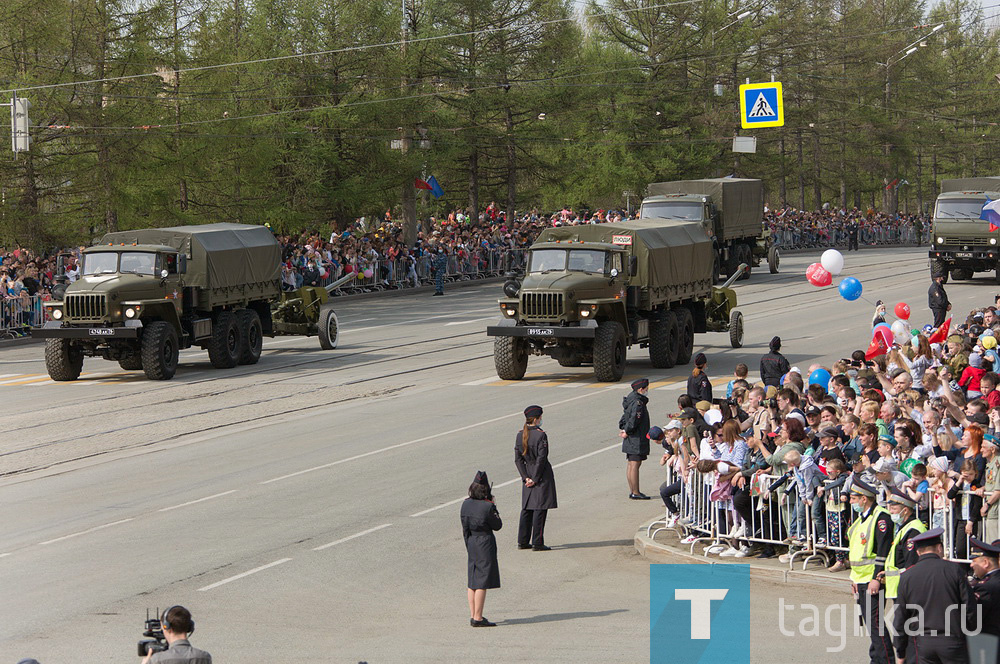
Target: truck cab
<point>961,242</point>
<point>681,207</point>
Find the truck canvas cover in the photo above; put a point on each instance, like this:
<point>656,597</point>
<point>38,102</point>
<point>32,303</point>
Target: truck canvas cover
<point>675,258</point>
<point>740,202</point>
<point>220,256</point>
<point>991,184</point>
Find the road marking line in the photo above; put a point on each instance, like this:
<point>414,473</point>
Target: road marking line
<point>415,320</point>
<point>84,532</point>
<point>19,378</point>
<point>4,555</point>
<point>46,379</point>
<point>10,375</point>
<point>518,479</point>
<point>466,322</point>
<point>481,381</point>
<point>240,576</point>
<point>355,536</point>
<point>200,500</point>
<point>425,438</point>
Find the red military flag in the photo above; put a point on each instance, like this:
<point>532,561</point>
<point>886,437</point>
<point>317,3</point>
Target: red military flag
<point>941,334</point>
<point>876,347</point>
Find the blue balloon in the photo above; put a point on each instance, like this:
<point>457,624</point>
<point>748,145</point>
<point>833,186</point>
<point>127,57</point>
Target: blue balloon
<point>885,325</point>
<point>850,289</point>
<point>820,377</point>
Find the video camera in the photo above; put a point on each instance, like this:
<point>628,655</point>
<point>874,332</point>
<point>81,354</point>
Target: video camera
<point>156,641</point>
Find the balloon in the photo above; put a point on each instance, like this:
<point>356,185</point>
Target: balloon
<point>885,325</point>
<point>907,467</point>
<point>902,311</point>
<point>368,273</point>
<point>886,336</point>
<point>817,276</point>
<point>820,377</point>
<point>832,261</point>
<point>850,289</point>
<point>901,331</point>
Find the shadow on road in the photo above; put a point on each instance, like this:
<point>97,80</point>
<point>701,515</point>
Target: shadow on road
<point>591,545</point>
<point>555,617</point>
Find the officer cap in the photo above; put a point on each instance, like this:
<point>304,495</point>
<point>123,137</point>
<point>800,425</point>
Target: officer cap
<point>655,433</point>
<point>897,496</point>
<point>640,383</point>
<point>862,489</point>
<point>533,411</point>
<point>930,538</point>
<point>989,550</point>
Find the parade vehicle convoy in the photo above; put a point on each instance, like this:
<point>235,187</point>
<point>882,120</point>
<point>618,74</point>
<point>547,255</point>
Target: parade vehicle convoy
<point>961,242</point>
<point>144,295</point>
<point>592,291</point>
<point>730,209</point>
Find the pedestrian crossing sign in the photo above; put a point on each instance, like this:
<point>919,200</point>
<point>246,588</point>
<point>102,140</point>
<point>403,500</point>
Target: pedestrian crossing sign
<point>761,105</point>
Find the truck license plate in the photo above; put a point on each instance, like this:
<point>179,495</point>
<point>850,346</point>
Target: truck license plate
<point>102,332</point>
<point>540,331</point>
<point>963,254</point>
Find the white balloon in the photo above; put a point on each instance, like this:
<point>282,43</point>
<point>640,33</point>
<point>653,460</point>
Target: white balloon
<point>832,261</point>
<point>900,331</point>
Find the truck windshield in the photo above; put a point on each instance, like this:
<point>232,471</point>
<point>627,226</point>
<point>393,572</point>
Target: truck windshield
<point>105,262</point>
<point>547,260</point>
<point>587,260</point>
<point>672,210</point>
<point>966,210</point>
<point>138,262</point>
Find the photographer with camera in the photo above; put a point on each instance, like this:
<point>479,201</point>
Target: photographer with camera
<point>174,626</point>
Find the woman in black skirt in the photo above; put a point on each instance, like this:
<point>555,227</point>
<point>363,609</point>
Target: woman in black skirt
<point>479,519</point>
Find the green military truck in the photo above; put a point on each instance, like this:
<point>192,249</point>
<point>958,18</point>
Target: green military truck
<point>961,243</point>
<point>144,295</point>
<point>731,211</point>
<point>592,291</point>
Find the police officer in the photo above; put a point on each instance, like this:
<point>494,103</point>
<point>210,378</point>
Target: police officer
<point>902,554</point>
<point>538,490</point>
<point>937,299</point>
<point>439,266</point>
<point>177,626</point>
<point>986,584</point>
<point>852,235</point>
<point>934,605</point>
<point>634,425</point>
<point>869,541</point>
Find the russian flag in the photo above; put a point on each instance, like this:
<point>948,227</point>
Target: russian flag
<point>991,213</point>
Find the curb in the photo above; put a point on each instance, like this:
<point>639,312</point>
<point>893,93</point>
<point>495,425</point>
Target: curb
<point>22,341</point>
<point>657,552</point>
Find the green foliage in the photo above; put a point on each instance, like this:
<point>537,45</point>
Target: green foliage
<point>529,103</point>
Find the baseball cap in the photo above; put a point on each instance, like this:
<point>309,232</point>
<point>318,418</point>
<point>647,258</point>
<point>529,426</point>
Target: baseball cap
<point>673,424</point>
<point>689,414</point>
<point>830,431</point>
<point>884,465</point>
<point>795,370</point>
<point>813,410</point>
<point>655,433</point>
<point>978,418</point>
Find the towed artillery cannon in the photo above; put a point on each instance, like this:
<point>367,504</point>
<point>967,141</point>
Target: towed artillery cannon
<point>306,311</point>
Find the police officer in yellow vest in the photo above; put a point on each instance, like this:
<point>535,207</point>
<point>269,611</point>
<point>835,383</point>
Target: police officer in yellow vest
<point>902,554</point>
<point>869,541</point>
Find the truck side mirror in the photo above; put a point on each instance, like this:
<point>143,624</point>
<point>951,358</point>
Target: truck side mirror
<point>633,266</point>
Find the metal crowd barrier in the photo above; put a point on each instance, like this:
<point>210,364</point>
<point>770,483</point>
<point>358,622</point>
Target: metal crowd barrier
<point>790,237</point>
<point>18,314</point>
<point>773,519</point>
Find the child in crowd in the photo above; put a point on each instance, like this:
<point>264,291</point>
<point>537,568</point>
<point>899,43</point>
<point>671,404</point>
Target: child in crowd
<point>939,486</point>
<point>917,488</point>
<point>740,373</point>
<point>830,493</point>
<point>971,376</point>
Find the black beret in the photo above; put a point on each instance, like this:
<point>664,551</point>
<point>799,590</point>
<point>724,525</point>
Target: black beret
<point>640,383</point>
<point>533,411</point>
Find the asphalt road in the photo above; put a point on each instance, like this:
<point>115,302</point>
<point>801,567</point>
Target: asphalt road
<point>306,509</point>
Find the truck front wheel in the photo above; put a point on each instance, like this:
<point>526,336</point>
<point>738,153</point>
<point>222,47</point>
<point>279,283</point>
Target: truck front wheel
<point>62,360</point>
<point>251,334</point>
<point>510,357</point>
<point>663,341</point>
<point>609,352</point>
<point>159,350</point>
<point>224,346</point>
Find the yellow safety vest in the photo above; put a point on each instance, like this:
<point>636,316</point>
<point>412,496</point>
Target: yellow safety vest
<point>861,546</point>
<point>892,572</point>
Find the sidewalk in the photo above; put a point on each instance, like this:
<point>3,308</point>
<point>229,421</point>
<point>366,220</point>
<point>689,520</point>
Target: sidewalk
<point>666,548</point>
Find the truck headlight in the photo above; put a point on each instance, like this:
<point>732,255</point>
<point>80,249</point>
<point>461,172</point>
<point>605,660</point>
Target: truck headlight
<point>131,312</point>
<point>588,311</point>
<point>508,310</point>
<point>940,240</point>
<point>993,240</point>
<point>57,313</point>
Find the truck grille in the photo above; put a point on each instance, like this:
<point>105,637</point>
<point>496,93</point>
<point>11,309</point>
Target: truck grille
<point>542,305</point>
<point>86,307</point>
<point>968,241</point>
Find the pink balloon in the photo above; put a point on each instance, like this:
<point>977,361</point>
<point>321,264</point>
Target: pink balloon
<point>368,273</point>
<point>886,336</point>
<point>818,276</point>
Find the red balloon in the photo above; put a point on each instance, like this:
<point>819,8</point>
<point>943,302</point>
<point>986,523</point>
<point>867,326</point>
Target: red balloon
<point>818,276</point>
<point>902,311</point>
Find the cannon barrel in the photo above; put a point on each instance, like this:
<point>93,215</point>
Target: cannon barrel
<point>340,282</point>
<point>736,275</point>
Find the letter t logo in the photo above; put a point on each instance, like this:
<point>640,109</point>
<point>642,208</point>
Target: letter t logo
<point>701,608</point>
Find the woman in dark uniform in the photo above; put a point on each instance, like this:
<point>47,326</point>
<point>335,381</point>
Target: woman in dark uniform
<point>479,519</point>
<point>538,494</point>
<point>699,386</point>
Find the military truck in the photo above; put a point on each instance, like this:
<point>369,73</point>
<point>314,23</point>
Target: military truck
<point>144,295</point>
<point>731,211</point>
<point>961,243</point>
<point>592,291</point>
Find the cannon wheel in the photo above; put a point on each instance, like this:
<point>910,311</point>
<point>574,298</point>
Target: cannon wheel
<point>773,259</point>
<point>736,329</point>
<point>329,328</point>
